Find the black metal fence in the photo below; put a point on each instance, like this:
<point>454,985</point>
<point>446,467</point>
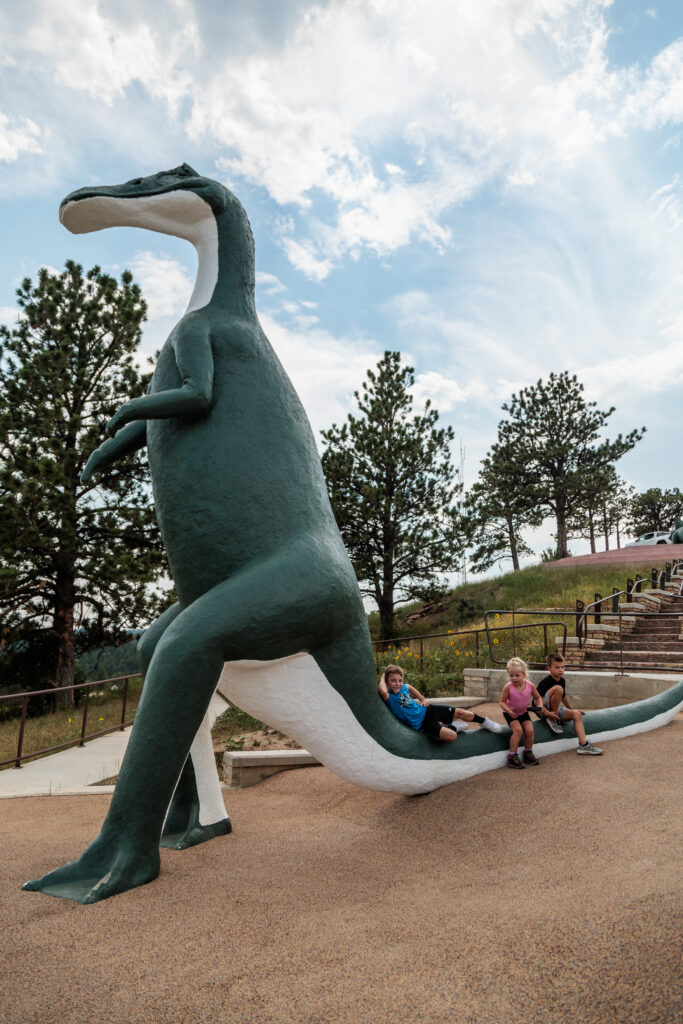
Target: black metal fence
<point>22,755</point>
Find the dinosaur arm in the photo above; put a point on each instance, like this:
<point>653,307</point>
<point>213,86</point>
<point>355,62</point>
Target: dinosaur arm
<point>128,440</point>
<point>192,348</point>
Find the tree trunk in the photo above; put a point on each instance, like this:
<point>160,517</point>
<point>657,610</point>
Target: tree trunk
<point>386,620</point>
<point>63,629</point>
<point>562,549</point>
<point>591,530</point>
<point>618,537</point>
<point>513,545</point>
<point>605,526</point>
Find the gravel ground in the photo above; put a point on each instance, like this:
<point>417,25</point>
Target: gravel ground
<point>548,895</point>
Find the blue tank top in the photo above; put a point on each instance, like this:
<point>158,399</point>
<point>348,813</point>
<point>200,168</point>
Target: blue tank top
<point>406,708</point>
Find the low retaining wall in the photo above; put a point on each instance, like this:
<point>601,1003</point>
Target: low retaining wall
<point>242,768</point>
<point>588,690</point>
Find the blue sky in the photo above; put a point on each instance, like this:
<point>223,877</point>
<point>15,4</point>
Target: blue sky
<point>493,188</point>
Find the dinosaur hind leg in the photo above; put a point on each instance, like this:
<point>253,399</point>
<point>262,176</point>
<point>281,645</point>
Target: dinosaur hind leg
<point>196,812</point>
<point>231,622</point>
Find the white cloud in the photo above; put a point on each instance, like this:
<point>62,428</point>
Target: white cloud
<point>166,284</point>
<point>18,135</point>
<point>445,393</point>
<point>9,315</point>
<point>97,54</point>
<point>269,283</point>
<point>324,370</point>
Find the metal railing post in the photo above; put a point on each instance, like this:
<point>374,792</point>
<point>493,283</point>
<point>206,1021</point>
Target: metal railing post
<point>85,717</point>
<point>629,588</point>
<point>20,741</point>
<point>125,698</point>
<point>621,647</point>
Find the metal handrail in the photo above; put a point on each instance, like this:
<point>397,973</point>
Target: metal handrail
<point>81,740</point>
<point>476,631</point>
<point>635,589</point>
<point>526,625</point>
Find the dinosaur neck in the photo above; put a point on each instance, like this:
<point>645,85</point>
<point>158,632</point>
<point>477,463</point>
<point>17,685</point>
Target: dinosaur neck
<point>225,265</point>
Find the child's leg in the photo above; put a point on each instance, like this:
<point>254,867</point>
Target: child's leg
<point>554,697</point>
<point>528,735</point>
<point>460,714</point>
<point>516,736</point>
<point>577,718</point>
<point>447,735</point>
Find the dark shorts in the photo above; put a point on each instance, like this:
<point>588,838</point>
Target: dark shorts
<point>436,717</point>
<point>524,717</point>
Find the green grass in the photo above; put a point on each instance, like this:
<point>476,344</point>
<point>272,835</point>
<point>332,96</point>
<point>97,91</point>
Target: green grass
<point>56,727</point>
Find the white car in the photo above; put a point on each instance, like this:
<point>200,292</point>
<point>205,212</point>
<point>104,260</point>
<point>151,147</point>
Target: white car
<point>656,537</point>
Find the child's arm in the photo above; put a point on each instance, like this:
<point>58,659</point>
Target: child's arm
<point>504,701</point>
<point>382,687</point>
<point>416,695</point>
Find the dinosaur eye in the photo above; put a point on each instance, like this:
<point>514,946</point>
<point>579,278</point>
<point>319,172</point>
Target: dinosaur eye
<point>135,181</point>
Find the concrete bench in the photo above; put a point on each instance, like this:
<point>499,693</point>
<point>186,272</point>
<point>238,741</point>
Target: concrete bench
<point>242,768</point>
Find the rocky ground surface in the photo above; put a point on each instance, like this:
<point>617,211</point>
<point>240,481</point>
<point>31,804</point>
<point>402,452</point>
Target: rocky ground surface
<point>547,895</point>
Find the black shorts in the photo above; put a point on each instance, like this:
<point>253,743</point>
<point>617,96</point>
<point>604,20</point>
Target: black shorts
<point>524,717</point>
<point>436,717</point>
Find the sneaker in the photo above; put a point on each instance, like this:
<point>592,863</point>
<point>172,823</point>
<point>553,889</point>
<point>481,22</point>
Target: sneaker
<point>588,748</point>
<point>554,726</point>
<point>491,725</point>
<point>514,761</point>
<point>530,757</point>
<point>458,725</point>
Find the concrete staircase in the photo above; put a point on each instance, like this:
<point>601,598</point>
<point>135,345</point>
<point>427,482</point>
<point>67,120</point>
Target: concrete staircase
<point>647,634</point>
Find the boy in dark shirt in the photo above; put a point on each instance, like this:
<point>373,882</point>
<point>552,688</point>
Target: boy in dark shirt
<point>553,691</point>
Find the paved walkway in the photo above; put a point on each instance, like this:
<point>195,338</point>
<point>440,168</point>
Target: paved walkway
<point>641,554</point>
<point>76,771</point>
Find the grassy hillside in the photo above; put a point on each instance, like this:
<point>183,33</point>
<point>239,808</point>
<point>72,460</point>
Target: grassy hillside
<point>539,586</point>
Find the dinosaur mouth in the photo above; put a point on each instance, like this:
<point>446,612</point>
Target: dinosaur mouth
<point>171,212</point>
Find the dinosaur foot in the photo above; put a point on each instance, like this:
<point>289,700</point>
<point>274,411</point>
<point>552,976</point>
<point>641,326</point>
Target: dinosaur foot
<point>103,870</point>
<point>195,834</point>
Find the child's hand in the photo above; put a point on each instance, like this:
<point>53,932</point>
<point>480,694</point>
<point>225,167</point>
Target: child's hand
<point>551,714</point>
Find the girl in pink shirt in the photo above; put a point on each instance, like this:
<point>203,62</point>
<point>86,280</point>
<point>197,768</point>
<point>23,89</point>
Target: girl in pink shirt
<point>515,700</point>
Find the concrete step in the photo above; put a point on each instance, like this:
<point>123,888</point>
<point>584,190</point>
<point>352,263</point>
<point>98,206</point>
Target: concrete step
<point>242,768</point>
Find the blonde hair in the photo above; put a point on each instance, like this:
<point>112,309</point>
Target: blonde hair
<point>517,663</point>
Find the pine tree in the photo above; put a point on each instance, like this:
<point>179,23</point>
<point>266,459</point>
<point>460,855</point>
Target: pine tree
<point>555,433</point>
<point>604,509</point>
<point>498,506</point>
<point>75,560</point>
<point>654,509</point>
<point>393,491</point>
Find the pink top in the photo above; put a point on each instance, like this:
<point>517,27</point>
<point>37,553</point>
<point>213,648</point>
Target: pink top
<point>519,700</point>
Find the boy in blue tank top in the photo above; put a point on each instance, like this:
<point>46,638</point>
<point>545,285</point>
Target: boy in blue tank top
<point>436,720</point>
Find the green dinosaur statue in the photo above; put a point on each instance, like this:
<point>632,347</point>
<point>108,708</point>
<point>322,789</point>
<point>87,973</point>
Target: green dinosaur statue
<point>265,585</point>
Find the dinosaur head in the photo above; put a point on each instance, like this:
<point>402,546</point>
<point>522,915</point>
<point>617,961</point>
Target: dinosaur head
<point>172,202</point>
<point>183,203</point>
